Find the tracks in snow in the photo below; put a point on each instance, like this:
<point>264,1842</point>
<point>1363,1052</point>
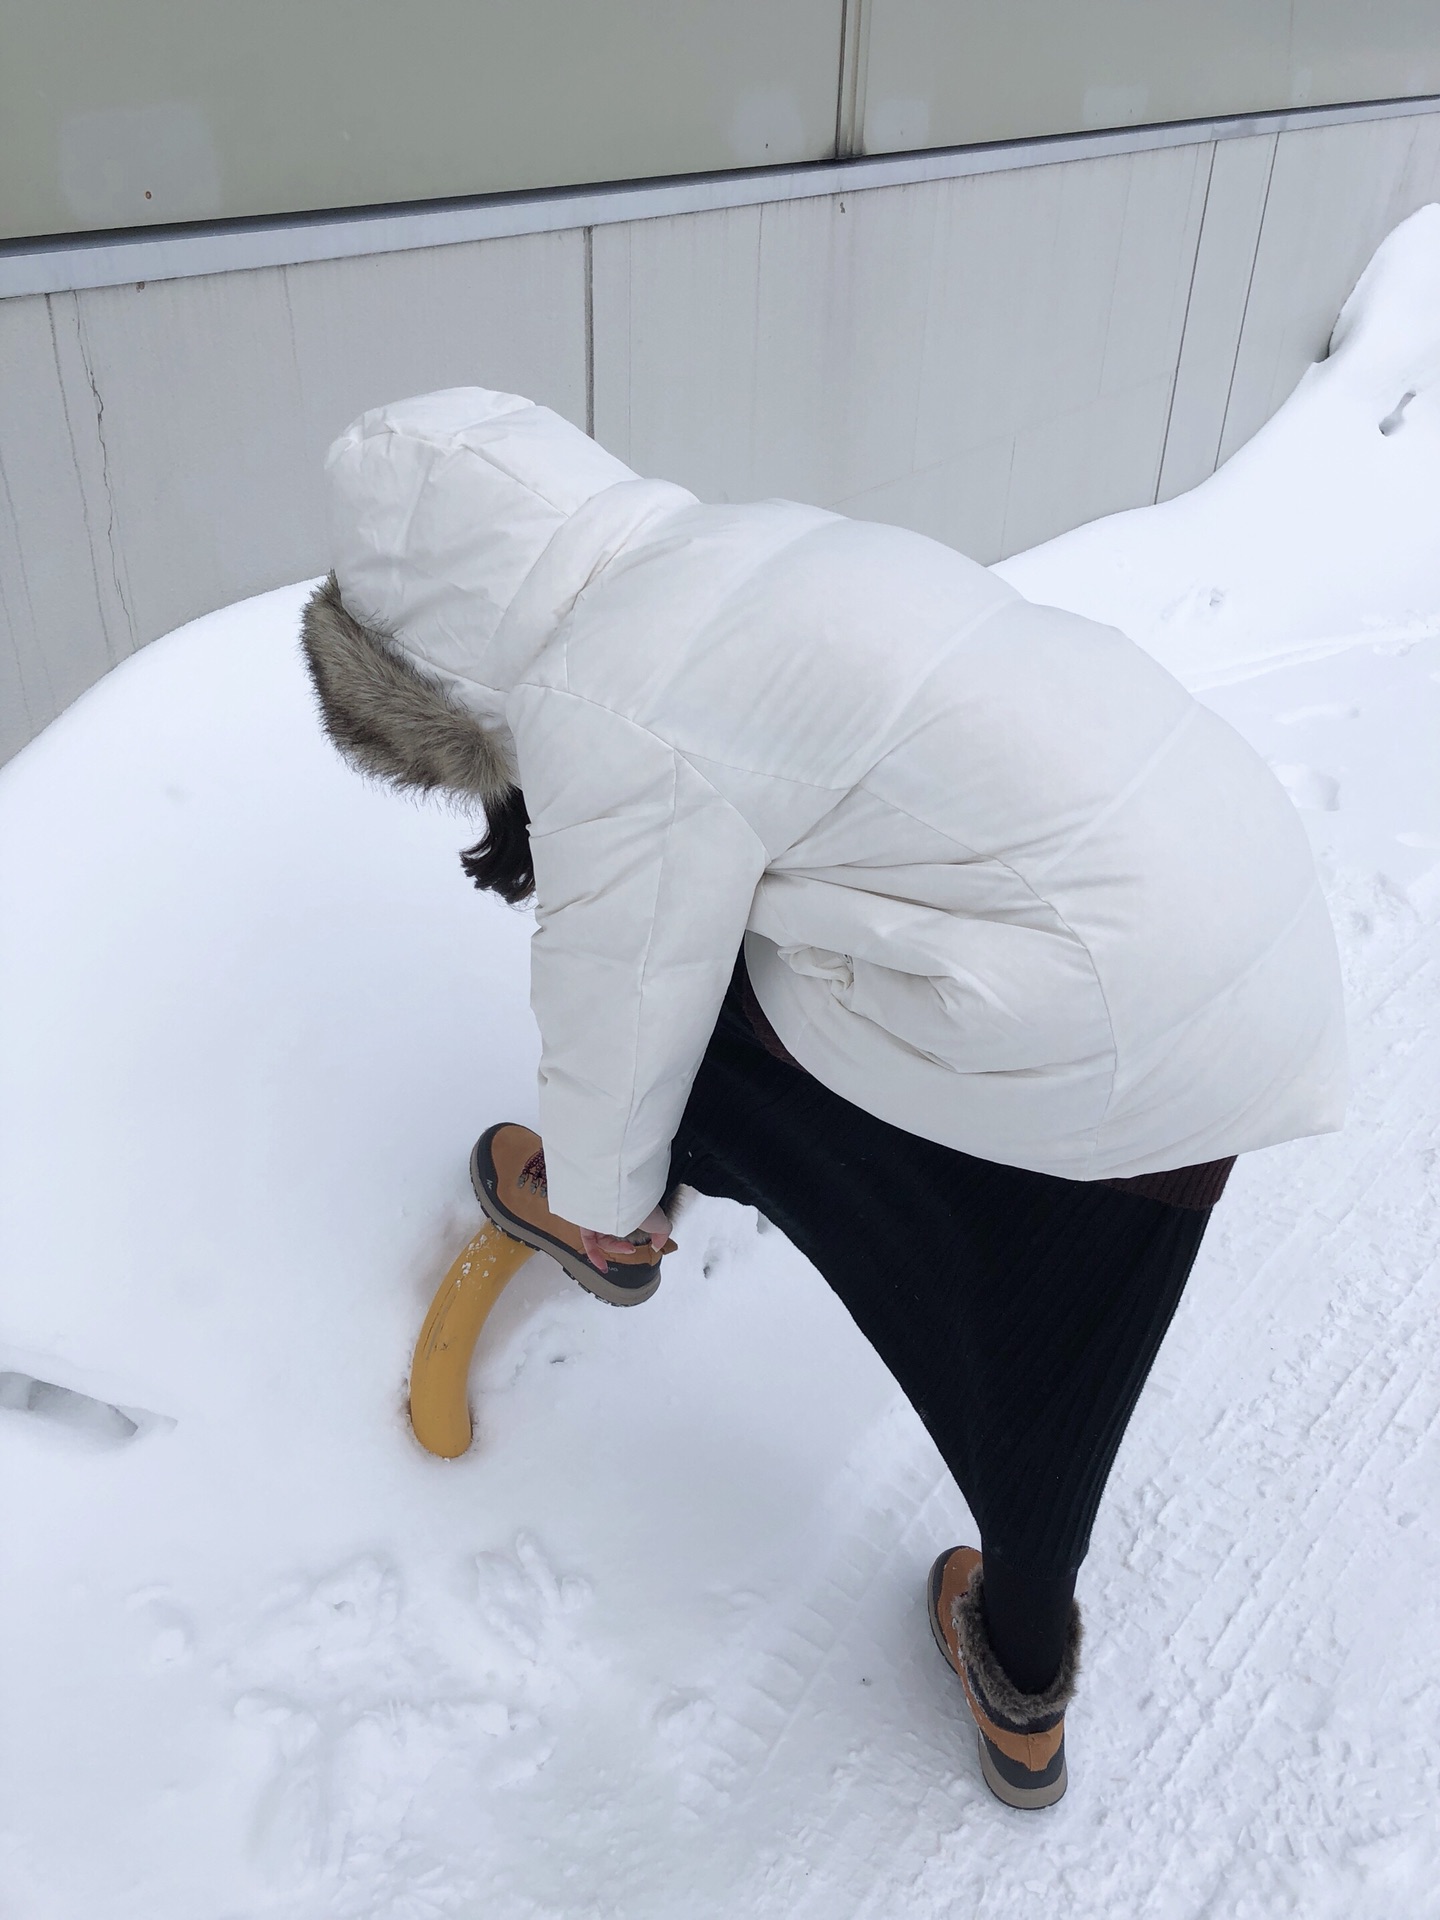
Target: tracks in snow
<point>1242,1746</point>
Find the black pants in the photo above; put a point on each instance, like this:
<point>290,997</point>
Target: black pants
<point>1019,1313</point>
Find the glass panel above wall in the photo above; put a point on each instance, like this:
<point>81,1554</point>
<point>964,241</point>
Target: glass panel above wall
<point>158,112</point>
<point>173,110</point>
<point>941,73</point>
<point>1386,50</point>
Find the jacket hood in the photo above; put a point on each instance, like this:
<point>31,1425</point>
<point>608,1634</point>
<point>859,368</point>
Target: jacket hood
<point>439,509</point>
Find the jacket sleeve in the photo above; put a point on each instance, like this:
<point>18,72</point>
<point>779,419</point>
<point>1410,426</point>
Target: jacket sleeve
<point>644,878</point>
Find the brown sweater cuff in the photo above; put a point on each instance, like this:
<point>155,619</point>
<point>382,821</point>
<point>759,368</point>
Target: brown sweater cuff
<point>1196,1187</point>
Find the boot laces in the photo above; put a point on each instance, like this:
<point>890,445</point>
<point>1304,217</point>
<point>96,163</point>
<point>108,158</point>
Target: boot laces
<point>532,1174</point>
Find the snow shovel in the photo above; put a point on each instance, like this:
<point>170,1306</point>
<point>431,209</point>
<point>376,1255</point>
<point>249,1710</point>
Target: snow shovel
<point>440,1371</point>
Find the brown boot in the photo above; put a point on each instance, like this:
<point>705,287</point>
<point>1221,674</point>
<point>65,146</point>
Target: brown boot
<point>507,1171</point>
<point>1021,1735</point>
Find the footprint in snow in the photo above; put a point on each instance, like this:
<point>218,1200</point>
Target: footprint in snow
<point>1396,416</point>
<point>1324,710</point>
<point>172,1636</point>
<point>682,1718</point>
<point>519,1598</point>
<point>1196,603</point>
<point>97,1421</point>
<point>1311,790</point>
<point>376,1707</point>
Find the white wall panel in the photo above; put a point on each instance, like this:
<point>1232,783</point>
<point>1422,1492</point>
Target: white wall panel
<point>1056,316</point>
<point>1234,203</point>
<point>961,500</point>
<point>1335,192</point>
<point>508,314</point>
<point>766,350</point>
<point>674,318</point>
<point>831,350</point>
<point>58,594</point>
<point>770,350</point>
<point>161,446</point>
<point>219,496</point>
<point>100,488</point>
<point>201,438</point>
<point>839,330</point>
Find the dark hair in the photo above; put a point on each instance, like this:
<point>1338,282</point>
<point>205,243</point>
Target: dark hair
<point>501,863</point>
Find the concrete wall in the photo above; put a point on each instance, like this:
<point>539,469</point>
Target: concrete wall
<point>990,358</point>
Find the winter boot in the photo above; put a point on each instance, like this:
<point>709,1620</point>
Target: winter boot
<point>1021,1735</point>
<point>507,1171</point>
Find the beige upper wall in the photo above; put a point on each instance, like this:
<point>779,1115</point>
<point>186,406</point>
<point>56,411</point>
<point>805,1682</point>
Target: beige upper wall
<point>172,110</point>
<point>941,73</point>
<point>183,110</point>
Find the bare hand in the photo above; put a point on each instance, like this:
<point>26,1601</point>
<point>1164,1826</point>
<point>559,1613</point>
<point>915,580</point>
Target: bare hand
<point>601,1248</point>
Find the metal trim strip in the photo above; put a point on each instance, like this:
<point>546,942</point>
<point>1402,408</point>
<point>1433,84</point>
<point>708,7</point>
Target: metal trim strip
<point>69,263</point>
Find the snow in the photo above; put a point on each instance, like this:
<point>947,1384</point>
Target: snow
<point>657,1644</point>
<point>1320,533</point>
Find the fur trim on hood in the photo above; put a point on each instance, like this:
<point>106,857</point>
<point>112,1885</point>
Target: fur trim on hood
<point>390,719</point>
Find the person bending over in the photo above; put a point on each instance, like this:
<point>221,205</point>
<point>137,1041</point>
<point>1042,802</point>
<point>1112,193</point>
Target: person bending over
<point>945,929</point>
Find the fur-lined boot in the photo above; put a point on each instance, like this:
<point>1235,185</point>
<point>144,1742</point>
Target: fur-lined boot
<point>1021,1735</point>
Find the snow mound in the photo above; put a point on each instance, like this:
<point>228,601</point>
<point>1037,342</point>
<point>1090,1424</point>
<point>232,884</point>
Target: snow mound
<point>1324,529</point>
<point>657,1645</point>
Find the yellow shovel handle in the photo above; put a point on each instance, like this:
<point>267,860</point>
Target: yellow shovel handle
<point>440,1372</point>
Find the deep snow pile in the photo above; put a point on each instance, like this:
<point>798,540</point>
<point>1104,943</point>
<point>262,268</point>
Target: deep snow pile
<point>657,1644</point>
<point>1321,532</point>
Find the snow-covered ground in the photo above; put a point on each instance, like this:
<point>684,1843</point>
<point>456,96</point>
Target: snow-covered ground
<point>656,1647</point>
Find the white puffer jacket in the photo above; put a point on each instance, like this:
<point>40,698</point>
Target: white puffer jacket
<point>1002,880</point>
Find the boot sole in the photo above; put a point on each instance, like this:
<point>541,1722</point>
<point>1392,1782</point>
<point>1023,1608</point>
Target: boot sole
<point>613,1286</point>
<point>1026,1799</point>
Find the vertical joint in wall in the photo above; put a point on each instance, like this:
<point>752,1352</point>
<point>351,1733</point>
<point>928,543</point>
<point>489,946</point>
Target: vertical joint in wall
<point>1184,328</point>
<point>1220,454</point>
<point>850,103</point>
<point>590,331</point>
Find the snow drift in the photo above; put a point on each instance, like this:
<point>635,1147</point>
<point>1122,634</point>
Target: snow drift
<point>657,1644</point>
